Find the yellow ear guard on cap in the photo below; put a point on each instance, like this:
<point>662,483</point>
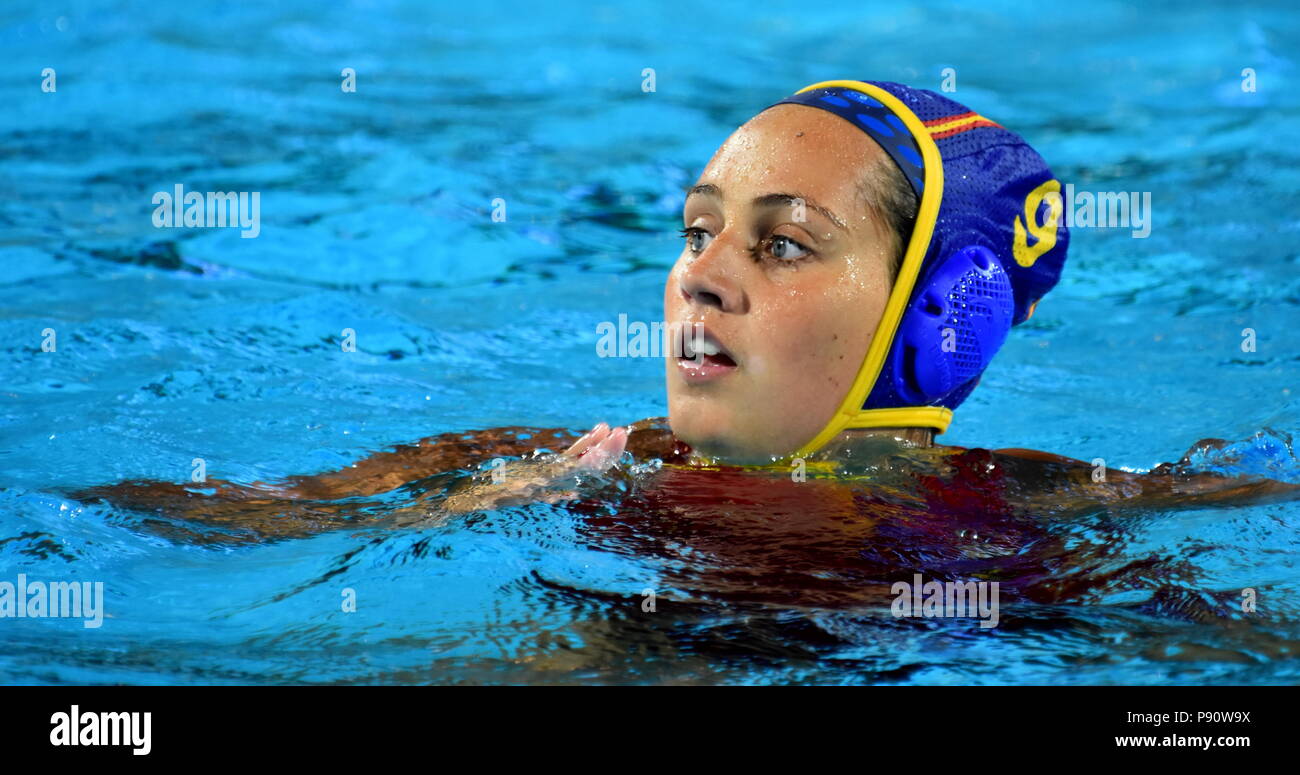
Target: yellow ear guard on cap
<point>850,413</point>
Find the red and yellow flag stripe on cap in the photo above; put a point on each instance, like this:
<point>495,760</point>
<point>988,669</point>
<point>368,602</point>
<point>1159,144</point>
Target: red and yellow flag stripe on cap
<point>948,126</point>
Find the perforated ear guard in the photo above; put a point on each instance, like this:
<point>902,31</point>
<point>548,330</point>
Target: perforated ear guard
<point>952,327</point>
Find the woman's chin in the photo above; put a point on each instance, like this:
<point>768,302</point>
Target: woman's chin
<point>722,444</point>
<point>708,439</point>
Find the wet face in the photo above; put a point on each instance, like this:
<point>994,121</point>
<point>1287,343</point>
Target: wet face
<point>787,268</point>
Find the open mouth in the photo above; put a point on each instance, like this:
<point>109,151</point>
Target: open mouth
<point>702,356</point>
<point>716,359</point>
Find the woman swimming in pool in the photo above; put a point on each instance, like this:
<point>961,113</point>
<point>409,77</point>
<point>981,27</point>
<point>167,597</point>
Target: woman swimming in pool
<point>856,254</point>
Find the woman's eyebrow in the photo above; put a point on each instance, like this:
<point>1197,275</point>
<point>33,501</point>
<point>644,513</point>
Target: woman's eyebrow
<point>768,200</point>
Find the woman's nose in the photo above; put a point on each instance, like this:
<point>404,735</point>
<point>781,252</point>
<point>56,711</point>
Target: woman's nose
<point>710,279</point>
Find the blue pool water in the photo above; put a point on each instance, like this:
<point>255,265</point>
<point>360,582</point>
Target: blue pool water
<point>177,344</point>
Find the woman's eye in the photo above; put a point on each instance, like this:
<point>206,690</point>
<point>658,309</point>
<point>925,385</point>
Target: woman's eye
<point>695,239</point>
<point>783,247</point>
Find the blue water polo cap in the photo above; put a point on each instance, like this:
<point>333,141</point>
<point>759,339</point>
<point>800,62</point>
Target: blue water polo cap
<point>988,242</point>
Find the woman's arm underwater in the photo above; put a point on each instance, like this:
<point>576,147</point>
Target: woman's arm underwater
<point>1078,485</point>
<point>302,505</point>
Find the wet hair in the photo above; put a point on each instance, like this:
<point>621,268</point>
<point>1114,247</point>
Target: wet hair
<point>887,192</point>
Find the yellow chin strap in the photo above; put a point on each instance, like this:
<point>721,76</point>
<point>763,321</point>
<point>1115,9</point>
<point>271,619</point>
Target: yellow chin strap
<point>850,413</point>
